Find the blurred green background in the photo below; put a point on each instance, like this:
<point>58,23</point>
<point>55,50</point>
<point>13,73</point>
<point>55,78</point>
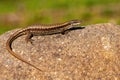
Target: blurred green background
<point>22,13</point>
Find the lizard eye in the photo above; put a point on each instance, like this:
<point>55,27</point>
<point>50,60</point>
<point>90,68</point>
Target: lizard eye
<point>75,22</point>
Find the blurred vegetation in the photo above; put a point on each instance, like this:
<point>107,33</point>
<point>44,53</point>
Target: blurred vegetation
<point>21,13</point>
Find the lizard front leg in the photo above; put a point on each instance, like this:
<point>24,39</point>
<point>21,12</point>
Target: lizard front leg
<point>65,32</point>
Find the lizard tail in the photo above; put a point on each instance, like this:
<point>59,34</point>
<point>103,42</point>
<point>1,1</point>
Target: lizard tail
<point>9,48</point>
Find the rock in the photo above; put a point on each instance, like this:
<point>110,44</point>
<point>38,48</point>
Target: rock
<point>92,53</point>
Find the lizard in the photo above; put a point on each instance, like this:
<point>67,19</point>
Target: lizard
<point>41,29</point>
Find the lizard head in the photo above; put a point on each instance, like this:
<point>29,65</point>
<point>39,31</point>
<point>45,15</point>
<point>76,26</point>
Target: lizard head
<point>75,22</point>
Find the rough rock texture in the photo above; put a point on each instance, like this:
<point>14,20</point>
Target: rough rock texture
<point>92,53</point>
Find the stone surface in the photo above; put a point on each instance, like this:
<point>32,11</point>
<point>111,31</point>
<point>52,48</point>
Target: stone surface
<point>92,53</point>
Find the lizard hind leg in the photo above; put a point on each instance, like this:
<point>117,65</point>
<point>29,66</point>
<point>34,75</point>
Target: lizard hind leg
<point>28,38</point>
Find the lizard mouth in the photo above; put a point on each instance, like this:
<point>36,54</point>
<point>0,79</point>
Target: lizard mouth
<point>76,24</point>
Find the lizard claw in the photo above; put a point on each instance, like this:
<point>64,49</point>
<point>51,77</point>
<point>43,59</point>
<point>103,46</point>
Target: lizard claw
<point>29,41</point>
